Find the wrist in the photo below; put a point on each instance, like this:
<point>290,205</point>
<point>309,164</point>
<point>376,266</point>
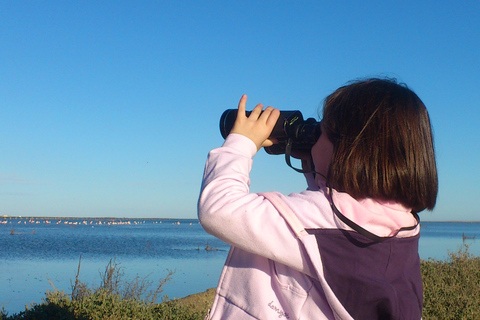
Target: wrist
<point>241,143</point>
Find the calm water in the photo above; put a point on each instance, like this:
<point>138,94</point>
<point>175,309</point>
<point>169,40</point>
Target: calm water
<point>41,253</point>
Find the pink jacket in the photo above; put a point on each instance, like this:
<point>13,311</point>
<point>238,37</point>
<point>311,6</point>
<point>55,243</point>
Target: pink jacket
<point>293,258</point>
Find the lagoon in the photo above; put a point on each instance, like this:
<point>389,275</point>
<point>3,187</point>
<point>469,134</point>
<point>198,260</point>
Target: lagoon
<point>38,254</point>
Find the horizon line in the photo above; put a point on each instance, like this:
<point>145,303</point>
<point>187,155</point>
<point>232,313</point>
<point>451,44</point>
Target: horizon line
<point>171,218</point>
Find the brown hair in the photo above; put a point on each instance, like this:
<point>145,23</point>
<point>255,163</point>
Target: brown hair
<point>383,144</point>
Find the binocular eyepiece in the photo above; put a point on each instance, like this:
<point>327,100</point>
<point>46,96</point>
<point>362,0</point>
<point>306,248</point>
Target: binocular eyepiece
<point>289,129</point>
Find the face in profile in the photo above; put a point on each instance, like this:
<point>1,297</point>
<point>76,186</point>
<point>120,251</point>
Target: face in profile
<point>322,152</point>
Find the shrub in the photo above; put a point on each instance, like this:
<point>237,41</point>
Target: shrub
<point>452,287</point>
<point>102,305</point>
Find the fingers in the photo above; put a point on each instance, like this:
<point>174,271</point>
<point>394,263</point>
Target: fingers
<point>268,143</point>
<point>242,105</point>
<point>258,125</point>
<point>257,111</point>
<point>270,116</point>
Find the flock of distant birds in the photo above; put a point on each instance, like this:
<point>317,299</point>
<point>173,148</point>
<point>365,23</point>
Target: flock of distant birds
<point>98,222</point>
<point>8,220</point>
<point>83,222</point>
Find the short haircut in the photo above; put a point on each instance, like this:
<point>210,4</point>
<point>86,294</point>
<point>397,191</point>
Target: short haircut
<point>383,144</point>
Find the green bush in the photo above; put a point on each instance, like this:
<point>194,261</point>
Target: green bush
<point>103,305</point>
<point>452,287</point>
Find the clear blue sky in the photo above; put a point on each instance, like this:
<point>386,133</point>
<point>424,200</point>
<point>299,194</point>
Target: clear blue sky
<point>109,108</point>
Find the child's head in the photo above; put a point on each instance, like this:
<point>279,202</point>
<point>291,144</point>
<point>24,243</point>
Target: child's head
<point>383,144</point>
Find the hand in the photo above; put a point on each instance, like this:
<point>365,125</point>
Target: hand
<point>258,126</point>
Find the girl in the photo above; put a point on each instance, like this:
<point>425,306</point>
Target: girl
<point>347,247</point>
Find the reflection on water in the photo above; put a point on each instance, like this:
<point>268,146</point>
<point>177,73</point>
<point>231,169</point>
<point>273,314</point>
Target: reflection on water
<point>36,254</point>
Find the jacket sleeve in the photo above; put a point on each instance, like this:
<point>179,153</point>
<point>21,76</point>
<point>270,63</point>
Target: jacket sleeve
<point>227,210</point>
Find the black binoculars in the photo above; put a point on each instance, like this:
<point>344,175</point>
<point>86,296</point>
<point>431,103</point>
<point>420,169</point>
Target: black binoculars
<point>290,130</point>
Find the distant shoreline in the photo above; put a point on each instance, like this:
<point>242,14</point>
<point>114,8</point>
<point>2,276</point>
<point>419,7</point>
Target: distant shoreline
<point>100,220</point>
<point>166,219</point>
<point>90,218</point>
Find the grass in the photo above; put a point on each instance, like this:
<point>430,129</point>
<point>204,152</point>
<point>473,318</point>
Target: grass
<point>451,291</point>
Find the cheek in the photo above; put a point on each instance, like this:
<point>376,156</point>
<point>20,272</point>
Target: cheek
<point>314,150</point>
<point>322,153</point>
